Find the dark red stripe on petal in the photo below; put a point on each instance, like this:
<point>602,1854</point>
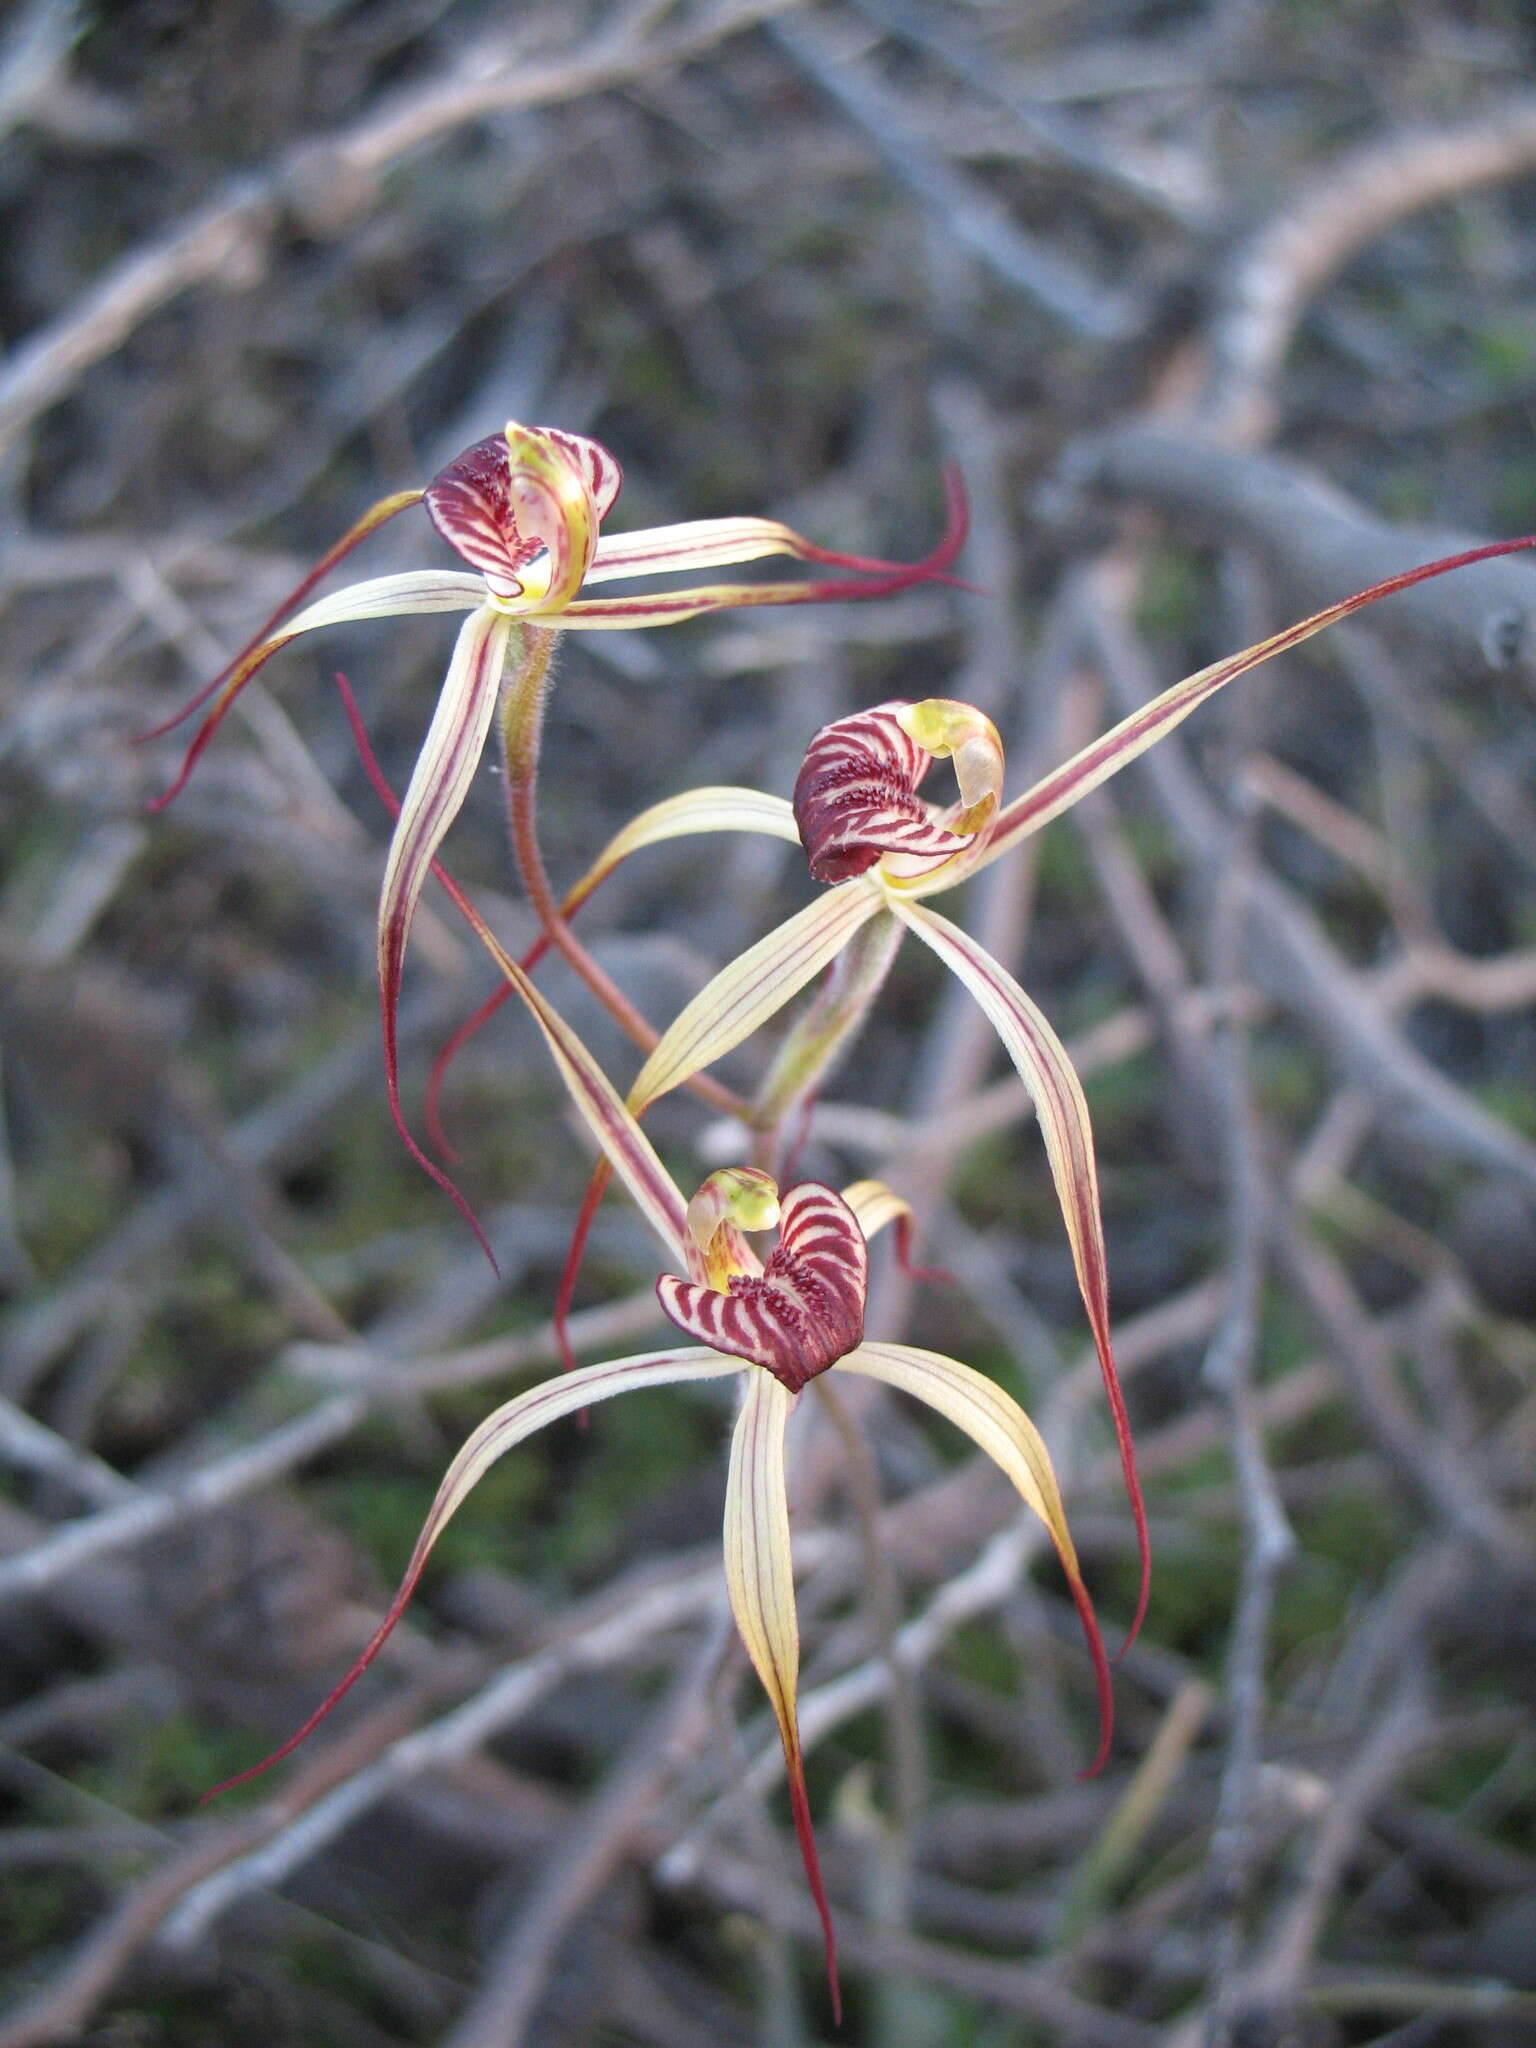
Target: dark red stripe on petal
<point>476,505</point>
<point>605,477</point>
<point>856,800</point>
<point>805,1311</point>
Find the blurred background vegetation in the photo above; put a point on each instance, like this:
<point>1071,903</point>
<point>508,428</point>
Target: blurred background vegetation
<point>1222,309</point>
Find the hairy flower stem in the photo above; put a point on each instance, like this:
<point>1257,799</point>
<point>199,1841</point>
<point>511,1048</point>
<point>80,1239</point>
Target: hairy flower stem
<point>522,729</point>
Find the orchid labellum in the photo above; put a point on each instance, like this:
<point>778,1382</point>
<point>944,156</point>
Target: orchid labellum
<point>524,509</point>
<point>780,1323</point>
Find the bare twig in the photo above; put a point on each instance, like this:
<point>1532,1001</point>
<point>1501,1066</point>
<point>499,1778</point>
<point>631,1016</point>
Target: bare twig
<point>968,212</point>
<point>224,238</point>
<point>503,2006</point>
<point>1269,1540</point>
<point>1345,205</point>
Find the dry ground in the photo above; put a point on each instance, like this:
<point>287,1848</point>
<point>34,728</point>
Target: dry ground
<point>1218,307</point>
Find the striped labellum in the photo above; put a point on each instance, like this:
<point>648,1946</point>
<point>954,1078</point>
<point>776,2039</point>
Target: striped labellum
<point>804,1311</point>
<point>524,507</point>
<point>856,800</point>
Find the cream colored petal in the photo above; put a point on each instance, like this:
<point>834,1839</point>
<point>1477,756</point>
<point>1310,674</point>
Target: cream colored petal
<point>389,597</point>
<point>1143,728</point>
<point>747,992</point>
<point>1062,1110</point>
<point>996,1424</point>
<point>760,1579</point>
<point>511,1424</point>
<point>696,811</point>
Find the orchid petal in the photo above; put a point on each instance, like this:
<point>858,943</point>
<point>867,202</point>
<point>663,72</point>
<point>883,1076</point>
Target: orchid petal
<point>875,1205</point>
<point>996,1423</point>
<point>1062,1111</point>
<point>381,597</point>
<point>748,991</point>
<point>391,597</point>
<point>760,1578</point>
<point>673,607</point>
<point>439,783</point>
<point>502,1431</point>
<point>711,544</point>
<point>623,1143</point>
<point>371,521</point>
<point>1143,728</point>
<point>821,1034</point>
<point>696,810</point>
<point>615,1129</point>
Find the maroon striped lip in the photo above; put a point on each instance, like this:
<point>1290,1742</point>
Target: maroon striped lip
<point>472,505</point>
<point>805,1311</point>
<point>855,799</point>
<point>501,505</point>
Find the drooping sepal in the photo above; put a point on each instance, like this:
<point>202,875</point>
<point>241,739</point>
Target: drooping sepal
<point>439,783</point>
<point>760,1579</point>
<point>1061,1109</point>
<point>996,1423</point>
<point>806,1309</point>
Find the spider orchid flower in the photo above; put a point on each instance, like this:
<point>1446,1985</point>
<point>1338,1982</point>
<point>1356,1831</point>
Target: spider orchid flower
<point>524,510</point>
<point>857,812</point>
<point>779,1323</point>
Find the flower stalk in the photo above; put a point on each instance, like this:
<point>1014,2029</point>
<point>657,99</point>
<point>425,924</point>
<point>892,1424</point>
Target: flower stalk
<point>524,510</point>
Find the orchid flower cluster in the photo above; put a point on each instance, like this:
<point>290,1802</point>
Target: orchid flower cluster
<point>524,510</point>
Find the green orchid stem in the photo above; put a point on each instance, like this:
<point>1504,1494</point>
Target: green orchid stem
<point>830,1022</point>
<point>529,659</point>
